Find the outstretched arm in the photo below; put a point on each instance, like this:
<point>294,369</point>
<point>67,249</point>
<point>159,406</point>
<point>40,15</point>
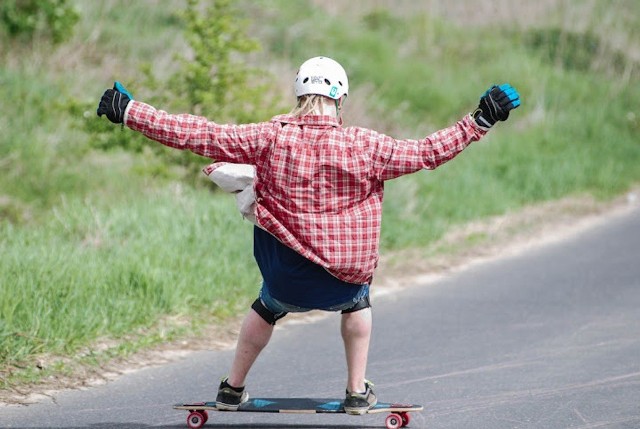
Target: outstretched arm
<point>400,157</point>
<point>230,143</point>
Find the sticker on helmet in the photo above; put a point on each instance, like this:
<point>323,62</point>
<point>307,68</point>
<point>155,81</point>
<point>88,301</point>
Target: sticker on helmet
<point>334,91</point>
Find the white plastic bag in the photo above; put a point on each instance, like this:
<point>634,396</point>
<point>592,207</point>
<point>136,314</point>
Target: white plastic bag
<point>236,179</point>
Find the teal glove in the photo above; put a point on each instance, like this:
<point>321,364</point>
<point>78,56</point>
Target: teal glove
<point>496,104</point>
<point>114,103</point>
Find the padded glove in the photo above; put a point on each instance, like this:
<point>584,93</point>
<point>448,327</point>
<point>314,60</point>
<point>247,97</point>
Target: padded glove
<point>495,105</point>
<point>114,102</point>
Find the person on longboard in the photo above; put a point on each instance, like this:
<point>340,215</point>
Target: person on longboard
<point>318,203</point>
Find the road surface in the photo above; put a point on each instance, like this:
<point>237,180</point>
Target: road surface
<point>549,338</point>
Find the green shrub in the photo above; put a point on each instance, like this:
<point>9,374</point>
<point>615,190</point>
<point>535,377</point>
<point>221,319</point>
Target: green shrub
<point>579,51</point>
<point>27,19</point>
<point>210,81</point>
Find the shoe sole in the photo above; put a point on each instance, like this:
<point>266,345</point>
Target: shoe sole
<point>356,411</point>
<point>221,406</point>
<point>224,407</point>
<point>360,410</point>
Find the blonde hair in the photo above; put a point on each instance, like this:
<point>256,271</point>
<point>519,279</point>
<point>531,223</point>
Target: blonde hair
<point>310,104</point>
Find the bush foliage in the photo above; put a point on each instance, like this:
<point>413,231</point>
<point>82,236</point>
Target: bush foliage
<point>28,19</point>
<point>213,79</point>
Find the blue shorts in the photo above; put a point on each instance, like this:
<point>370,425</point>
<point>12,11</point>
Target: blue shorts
<point>292,283</point>
<point>278,307</point>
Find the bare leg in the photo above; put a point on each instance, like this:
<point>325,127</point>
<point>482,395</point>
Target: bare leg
<point>254,336</point>
<point>356,334</point>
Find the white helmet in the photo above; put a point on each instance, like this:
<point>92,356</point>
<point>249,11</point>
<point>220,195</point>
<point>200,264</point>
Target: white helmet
<point>323,76</point>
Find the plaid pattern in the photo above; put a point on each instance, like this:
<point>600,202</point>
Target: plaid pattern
<point>318,186</point>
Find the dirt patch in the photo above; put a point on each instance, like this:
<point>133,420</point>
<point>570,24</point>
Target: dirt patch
<point>471,244</point>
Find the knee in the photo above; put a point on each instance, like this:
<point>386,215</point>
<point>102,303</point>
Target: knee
<point>267,315</point>
<point>357,324</point>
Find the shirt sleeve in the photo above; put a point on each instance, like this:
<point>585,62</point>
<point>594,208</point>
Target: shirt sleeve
<point>230,143</point>
<point>400,157</point>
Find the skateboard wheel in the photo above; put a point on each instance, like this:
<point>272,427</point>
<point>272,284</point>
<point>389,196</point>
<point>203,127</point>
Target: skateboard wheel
<point>393,421</point>
<point>406,419</point>
<point>195,420</point>
<point>205,414</point>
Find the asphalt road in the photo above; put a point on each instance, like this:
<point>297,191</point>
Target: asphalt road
<point>549,338</point>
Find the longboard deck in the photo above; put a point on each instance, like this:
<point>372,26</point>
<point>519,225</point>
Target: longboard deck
<point>299,405</point>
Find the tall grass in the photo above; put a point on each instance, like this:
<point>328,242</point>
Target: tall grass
<point>94,271</point>
<point>108,244</point>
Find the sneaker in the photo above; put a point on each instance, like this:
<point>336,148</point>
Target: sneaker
<point>358,403</point>
<point>229,398</point>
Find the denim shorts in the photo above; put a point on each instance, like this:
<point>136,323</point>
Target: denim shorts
<point>279,307</point>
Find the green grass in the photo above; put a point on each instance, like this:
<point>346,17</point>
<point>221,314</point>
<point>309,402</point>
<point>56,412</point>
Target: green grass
<point>115,245</point>
<point>95,271</point>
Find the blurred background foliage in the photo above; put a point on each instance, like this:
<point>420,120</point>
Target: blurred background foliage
<point>105,234</point>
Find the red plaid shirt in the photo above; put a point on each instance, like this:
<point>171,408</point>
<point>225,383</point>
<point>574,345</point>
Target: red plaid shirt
<point>318,185</point>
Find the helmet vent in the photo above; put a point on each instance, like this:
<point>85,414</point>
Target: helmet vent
<point>327,82</point>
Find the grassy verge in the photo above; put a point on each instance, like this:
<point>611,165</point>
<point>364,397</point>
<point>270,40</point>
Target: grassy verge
<point>116,246</point>
<point>92,270</point>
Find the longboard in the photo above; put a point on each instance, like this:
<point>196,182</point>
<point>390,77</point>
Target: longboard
<point>398,417</point>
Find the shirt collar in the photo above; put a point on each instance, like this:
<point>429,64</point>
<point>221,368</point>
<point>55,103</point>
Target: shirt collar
<point>322,120</point>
